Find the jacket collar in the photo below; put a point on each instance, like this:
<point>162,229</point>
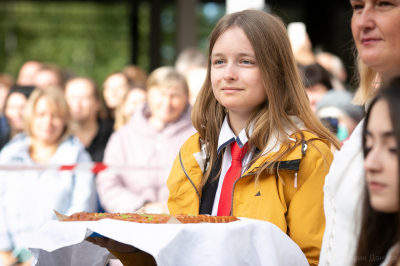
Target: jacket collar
<point>226,136</point>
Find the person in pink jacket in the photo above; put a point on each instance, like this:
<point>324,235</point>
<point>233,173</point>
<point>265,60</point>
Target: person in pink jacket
<point>149,143</point>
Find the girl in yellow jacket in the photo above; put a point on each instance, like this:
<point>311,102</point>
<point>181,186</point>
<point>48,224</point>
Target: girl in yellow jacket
<point>260,152</point>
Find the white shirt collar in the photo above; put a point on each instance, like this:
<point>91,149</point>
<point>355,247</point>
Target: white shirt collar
<point>226,136</point>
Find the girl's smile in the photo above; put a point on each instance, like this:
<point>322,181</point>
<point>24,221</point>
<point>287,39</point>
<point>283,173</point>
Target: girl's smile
<point>376,186</point>
<point>230,90</point>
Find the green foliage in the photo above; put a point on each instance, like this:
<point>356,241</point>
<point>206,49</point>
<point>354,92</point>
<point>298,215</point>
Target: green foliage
<point>208,15</point>
<point>89,39</point>
<point>143,59</point>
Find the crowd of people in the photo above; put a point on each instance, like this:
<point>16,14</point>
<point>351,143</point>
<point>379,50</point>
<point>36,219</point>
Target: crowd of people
<point>255,117</point>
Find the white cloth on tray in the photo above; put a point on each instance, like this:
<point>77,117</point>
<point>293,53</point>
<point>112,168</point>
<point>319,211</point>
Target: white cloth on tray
<point>245,242</point>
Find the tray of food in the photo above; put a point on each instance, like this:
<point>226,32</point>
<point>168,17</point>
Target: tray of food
<point>162,218</point>
<point>180,239</point>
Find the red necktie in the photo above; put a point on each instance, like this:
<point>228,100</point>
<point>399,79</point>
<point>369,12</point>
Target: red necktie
<point>233,174</point>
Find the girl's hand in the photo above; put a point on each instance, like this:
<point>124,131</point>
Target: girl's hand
<point>111,244</point>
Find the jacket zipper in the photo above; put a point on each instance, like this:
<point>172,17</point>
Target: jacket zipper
<point>184,170</point>
<point>233,189</point>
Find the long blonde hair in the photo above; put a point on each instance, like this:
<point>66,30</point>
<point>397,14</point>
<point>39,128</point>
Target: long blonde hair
<point>366,79</point>
<point>282,83</point>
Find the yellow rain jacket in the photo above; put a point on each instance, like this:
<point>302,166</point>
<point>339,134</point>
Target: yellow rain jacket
<point>292,199</point>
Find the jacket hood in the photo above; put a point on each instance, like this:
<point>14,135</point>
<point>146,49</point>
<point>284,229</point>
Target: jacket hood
<point>140,122</point>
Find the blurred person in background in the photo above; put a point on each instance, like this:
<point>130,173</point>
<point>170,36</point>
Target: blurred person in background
<point>114,88</point>
<point>13,112</point>
<point>337,104</point>
<point>151,140</point>
<point>332,64</point>
<point>49,76</point>
<point>27,198</point>
<point>192,64</point>
<point>317,83</point>
<point>377,37</point>
<point>84,104</point>
<point>133,98</point>
<point>27,73</point>
<point>135,74</point>
<point>6,82</point>
<point>189,59</point>
<point>195,79</point>
<point>305,56</point>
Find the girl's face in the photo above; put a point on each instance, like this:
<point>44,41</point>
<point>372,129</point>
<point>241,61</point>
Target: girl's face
<point>381,162</point>
<point>235,74</point>
<point>14,111</point>
<point>47,124</point>
<point>375,25</point>
<point>133,100</point>
<point>115,88</point>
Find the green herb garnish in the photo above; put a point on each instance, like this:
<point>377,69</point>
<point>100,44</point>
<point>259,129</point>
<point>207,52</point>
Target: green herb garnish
<point>147,215</point>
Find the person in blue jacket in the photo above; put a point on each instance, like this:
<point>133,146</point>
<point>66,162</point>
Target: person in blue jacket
<point>27,197</point>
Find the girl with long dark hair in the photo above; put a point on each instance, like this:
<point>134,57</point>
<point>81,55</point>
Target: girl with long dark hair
<point>379,234</point>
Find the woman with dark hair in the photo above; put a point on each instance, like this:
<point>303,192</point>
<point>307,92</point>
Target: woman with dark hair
<point>379,235</point>
<point>13,108</point>
<point>114,88</point>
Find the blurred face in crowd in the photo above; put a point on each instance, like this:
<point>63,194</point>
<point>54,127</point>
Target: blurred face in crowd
<point>27,73</point>
<point>47,78</point>
<point>4,90</point>
<point>133,100</point>
<point>167,104</point>
<point>115,88</point>
<point>375,26</point>
<point>315,94</point>
<point>47,124</point>
<point>82,101</point>
<point>14,110</point>
<point>381,162</point>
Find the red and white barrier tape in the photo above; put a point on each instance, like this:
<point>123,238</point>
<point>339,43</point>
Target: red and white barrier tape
<point>92,167</point>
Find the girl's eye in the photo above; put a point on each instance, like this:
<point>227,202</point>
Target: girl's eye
<point>218,62</point>
<point>393,150</point>
<point>367,150</point>
<point>247,62</point>
<point>384,4</point>
<point>357,7</point>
